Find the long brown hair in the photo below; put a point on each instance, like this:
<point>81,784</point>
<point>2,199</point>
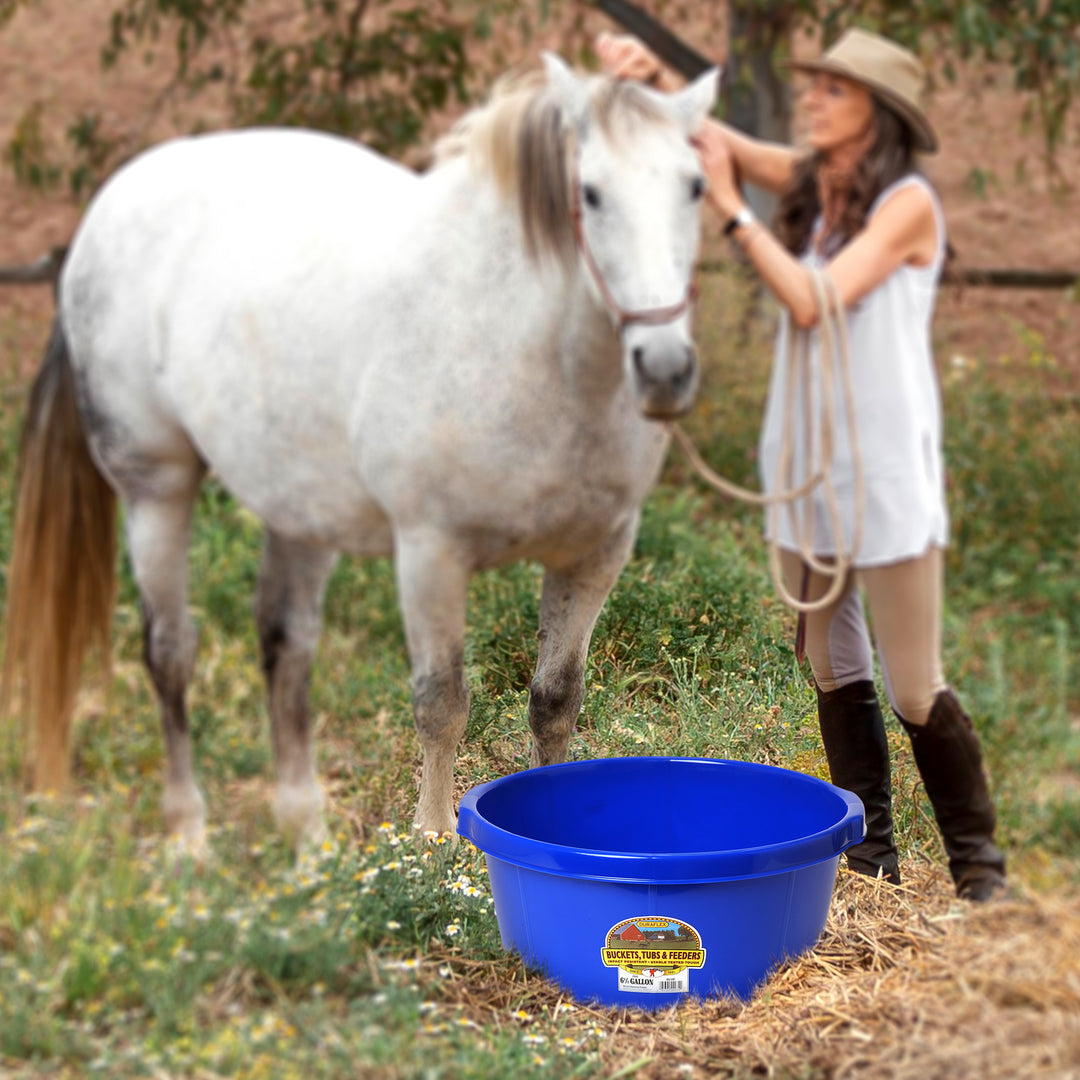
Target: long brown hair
<point>62,572</point>
<point>891,156</point>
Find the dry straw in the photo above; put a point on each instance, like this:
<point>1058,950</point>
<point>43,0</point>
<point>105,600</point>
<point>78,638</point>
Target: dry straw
<point>905,984</point>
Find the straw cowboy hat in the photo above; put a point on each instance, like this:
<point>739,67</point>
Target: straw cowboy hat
<point>890,72</point>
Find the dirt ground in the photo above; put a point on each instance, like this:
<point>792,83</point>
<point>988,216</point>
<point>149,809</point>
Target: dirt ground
<point>1004,211</point>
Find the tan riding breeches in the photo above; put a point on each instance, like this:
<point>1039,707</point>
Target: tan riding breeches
<point>904,604</point>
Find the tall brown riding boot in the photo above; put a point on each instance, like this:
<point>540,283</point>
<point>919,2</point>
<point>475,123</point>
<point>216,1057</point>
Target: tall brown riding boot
<point>853,731</point>
<point>947,753</point>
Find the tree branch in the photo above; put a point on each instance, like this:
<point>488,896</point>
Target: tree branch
<point>671,48</point>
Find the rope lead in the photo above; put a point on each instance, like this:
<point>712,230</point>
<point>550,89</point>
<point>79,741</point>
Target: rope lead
<point>833,352</point>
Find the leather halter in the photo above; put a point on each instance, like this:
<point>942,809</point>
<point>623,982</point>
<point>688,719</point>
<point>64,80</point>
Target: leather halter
<point>621,316</point>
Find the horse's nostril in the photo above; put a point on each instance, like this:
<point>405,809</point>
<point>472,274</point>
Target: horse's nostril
<point>638,356</point>
<point>686,375</point>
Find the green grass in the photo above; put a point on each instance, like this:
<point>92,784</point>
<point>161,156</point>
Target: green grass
<point>380,956</point>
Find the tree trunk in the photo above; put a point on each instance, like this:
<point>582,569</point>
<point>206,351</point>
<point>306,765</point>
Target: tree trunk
<point>758,97</point>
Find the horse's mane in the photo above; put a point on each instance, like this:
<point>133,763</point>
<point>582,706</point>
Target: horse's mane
<point>519,138</point>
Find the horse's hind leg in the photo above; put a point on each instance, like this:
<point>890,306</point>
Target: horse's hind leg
<point>288,612</point>
<point>569,607</point>
<point>158,530</point>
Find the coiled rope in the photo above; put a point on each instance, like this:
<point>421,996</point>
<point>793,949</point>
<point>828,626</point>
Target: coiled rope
<point>833,354</point>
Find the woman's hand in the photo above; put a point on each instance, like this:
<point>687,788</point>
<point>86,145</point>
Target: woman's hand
<point>720,169</point>
<point>625,57</point>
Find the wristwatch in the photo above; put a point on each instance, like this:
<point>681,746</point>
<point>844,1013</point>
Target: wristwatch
<point>745,216</point>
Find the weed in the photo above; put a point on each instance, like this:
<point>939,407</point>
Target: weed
<point>118,959</point>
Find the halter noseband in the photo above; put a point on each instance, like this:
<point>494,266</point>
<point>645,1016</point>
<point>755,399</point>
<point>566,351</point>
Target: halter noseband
<point>621,316</point>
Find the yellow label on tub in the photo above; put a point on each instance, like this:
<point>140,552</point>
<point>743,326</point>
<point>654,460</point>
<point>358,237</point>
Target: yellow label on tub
<point>653,954</point>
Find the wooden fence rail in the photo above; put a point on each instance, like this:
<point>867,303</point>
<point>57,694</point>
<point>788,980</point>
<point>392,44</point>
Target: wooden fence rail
<point>43,272</point>
<point>1003,278</point>
<point>46,269</point>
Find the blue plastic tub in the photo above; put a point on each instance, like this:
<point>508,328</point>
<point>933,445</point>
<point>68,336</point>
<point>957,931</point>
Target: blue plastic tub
<point>642,881</point>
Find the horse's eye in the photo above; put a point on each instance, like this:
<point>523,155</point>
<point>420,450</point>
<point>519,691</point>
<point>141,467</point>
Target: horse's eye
<point>697,188</point>
<point>591,196</point>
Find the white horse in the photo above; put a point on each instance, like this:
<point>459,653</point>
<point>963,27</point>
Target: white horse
<point>459,368</point>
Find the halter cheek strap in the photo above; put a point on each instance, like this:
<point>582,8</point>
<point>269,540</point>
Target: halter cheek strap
<point>622,316</point>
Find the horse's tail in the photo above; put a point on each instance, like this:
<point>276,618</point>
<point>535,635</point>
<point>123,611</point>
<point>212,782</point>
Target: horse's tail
<point>62,575</point>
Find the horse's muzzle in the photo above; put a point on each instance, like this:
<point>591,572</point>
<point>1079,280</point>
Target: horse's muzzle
<point>666,376</point>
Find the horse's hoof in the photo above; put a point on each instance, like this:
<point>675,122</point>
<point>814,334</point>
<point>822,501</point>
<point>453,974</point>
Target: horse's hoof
<point>298,811</point>
<point>435,823</point>
<point>188,850</point>
<point>185,825</point>
<point>436,836</point>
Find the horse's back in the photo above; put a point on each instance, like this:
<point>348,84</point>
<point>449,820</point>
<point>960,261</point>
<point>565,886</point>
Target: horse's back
<point>253,191</point>
<point>247,169</point>
<point>218,220</point>
<point>205,303</point>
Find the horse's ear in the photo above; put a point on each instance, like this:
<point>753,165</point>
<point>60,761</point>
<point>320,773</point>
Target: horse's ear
<point>693,103</point>
<point>569,89</point>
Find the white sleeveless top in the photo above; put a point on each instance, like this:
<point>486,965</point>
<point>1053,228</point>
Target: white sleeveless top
<point>897,413</point>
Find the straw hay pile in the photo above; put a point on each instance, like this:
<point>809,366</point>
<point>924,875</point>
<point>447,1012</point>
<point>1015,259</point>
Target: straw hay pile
<point>905,984</point>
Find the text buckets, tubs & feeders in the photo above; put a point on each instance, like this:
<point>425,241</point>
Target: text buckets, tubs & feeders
<point>642,880</point>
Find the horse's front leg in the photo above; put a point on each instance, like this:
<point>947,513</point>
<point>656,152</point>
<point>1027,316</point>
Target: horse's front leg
<point>432,585</point>
<point>569,607</point>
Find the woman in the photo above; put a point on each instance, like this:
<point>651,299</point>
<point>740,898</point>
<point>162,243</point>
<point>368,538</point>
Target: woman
<point>856,208</point>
